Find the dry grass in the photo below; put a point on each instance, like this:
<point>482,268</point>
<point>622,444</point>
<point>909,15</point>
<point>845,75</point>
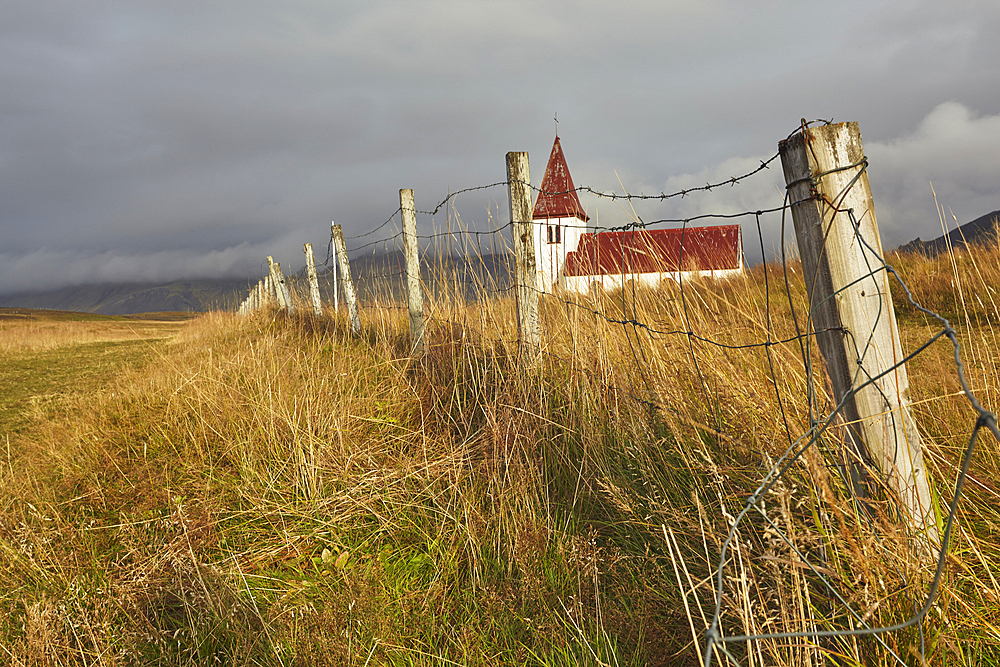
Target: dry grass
<point>271,490</point>
<point>25,330</point>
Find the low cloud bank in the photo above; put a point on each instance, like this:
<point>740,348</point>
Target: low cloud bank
<point>51,269</point>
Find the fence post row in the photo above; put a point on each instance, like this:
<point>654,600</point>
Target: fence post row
<point>525,272</point>
<point>414,295</point>
<point>313,280</point>
<point>852,312</point>
<point>350,296</point>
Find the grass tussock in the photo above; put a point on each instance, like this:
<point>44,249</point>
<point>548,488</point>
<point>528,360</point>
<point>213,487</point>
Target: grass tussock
<point>271,490</point>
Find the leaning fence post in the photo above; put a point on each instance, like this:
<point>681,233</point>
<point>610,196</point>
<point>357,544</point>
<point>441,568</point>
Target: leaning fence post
<point>277,281</point>
<point>851,310</point>
<point>313,280</point>
<point>286,288</point>
<point>345,269</point>
<point>525,273</point>
<point>414,295</point>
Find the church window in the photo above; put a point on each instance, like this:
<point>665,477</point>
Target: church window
<point>555,233</point>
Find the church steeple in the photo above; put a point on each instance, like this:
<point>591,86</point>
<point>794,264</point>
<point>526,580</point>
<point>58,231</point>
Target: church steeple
<point>558,197</point>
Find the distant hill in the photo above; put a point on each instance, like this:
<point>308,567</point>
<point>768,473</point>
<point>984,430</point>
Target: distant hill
<point>131,298</point>
<point>981,230</point>
<point>375,276</point>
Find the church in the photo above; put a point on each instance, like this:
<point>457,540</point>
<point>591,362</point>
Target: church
<point>572,256</point>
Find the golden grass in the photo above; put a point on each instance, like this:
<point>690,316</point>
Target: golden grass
<point>24,330</point>
<point>272,490</point>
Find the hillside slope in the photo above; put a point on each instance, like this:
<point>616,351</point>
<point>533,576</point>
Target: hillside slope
<point>981,230</point>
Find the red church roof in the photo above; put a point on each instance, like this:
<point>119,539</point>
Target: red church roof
<point>558,198</point>
<point>656,251</point>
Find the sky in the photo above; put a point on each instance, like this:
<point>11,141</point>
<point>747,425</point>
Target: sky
<point>157,140</point>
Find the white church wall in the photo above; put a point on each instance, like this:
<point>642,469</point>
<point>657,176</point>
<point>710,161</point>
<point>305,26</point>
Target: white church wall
<point>582,284</point>
<point>550,257</point>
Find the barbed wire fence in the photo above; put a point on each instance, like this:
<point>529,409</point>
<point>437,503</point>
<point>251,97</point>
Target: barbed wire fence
<point>472,282</point>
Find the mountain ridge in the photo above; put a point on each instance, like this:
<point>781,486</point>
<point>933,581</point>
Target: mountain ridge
<point>981,230</point>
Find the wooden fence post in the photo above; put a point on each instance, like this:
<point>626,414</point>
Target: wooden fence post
<point>852,311</point>
<point>336,289</point>
<point>277,281</point>
<point>525,273</point>
<point>286,288</point>
<point>345,269</point>
<point>414,294</point>
<point>313,280</point>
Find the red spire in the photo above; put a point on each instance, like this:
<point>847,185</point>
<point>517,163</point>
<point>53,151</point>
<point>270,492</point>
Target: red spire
<point>558,198</point>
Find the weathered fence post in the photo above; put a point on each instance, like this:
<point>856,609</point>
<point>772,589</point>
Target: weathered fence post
<point>852,312</point>
<point>313,280</point>
<point>345,269</point>
<point>336,289</point>
<point>525,273</point>
<point>286,289</point>
<point>414,294</point>
<point>278,281</point>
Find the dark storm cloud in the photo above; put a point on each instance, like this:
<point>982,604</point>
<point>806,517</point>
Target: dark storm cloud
<point>173,139</point>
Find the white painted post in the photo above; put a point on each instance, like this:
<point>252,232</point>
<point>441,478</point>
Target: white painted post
<point>525,273</point>
<point>276,282</point>
<point>350,296</point>
<point>852,311</point>
<point>313,280</point>
<point>414,294</point>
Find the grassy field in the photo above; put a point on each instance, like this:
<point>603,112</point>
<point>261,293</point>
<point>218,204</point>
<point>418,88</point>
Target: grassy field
<point>274,491</point>
<point>48,356</point>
